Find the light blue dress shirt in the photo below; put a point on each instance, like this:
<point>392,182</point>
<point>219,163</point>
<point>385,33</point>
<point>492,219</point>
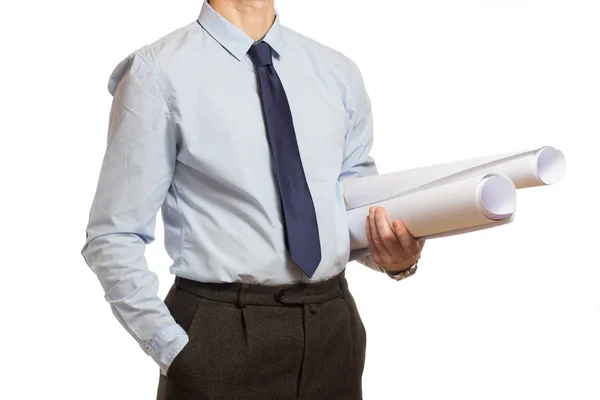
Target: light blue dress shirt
<point>186,136</point>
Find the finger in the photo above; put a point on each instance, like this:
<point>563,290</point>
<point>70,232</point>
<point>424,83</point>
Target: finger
<point>421,244</point>
<point>408,242</point>
<point>372,248</point>
<point>377,240</point>
<point>388,237</point>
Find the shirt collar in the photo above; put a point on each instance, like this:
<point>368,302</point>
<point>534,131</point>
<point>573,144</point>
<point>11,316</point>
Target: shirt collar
<point>232,38</point>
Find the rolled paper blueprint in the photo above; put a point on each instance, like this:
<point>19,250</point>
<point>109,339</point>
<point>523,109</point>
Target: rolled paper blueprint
<point>542,166</point>
<point>474,203</point>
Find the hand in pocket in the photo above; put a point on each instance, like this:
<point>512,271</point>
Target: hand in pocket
<point>177,360</point>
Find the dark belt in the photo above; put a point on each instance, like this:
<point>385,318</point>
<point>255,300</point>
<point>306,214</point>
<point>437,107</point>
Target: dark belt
<point>267,295</point>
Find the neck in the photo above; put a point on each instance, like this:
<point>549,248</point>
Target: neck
<point>254,17</point>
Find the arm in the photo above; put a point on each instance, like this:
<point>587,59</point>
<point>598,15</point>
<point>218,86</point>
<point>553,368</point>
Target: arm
<point>357,161</point>
<point>136,174</point>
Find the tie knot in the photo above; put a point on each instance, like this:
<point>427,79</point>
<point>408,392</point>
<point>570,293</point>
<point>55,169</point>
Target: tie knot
<point>260,54</point>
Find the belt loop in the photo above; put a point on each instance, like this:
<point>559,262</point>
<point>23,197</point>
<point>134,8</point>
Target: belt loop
<point>240,297</point>
<point>343,283</point>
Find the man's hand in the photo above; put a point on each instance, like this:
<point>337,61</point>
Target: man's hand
<point>391,245</point>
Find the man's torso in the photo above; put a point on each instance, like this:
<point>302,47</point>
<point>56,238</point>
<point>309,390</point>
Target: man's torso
<point>222,215</point>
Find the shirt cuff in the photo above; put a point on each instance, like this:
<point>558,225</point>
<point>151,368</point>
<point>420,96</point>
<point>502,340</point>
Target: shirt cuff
<point>166,345</point>
<point>367,260</point>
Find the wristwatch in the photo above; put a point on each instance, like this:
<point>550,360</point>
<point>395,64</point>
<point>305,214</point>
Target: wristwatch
<point>404,273</point>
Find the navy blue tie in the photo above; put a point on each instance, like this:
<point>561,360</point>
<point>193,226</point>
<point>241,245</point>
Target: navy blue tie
<point>300,221</point>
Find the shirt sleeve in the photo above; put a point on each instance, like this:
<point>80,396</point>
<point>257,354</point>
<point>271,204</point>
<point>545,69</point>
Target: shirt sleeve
<point>357,159</point>
<point>135,176</point>
<point>358,142</point>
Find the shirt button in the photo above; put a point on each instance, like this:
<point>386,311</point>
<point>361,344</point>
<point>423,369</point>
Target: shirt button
<point>279,294</point>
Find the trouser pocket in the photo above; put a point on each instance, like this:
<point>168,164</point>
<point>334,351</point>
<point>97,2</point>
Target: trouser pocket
<point>359,331</point>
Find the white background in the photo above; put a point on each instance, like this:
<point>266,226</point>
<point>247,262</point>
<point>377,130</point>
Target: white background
<point>507,313</point>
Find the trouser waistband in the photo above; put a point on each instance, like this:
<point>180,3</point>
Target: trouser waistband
<point>244,294</point>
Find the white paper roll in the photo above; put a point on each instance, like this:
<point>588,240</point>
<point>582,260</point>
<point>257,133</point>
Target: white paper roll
<point>472,203</point>
<point>543,166</point>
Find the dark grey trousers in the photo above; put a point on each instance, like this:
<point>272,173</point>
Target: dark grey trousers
<point>296,341</point>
